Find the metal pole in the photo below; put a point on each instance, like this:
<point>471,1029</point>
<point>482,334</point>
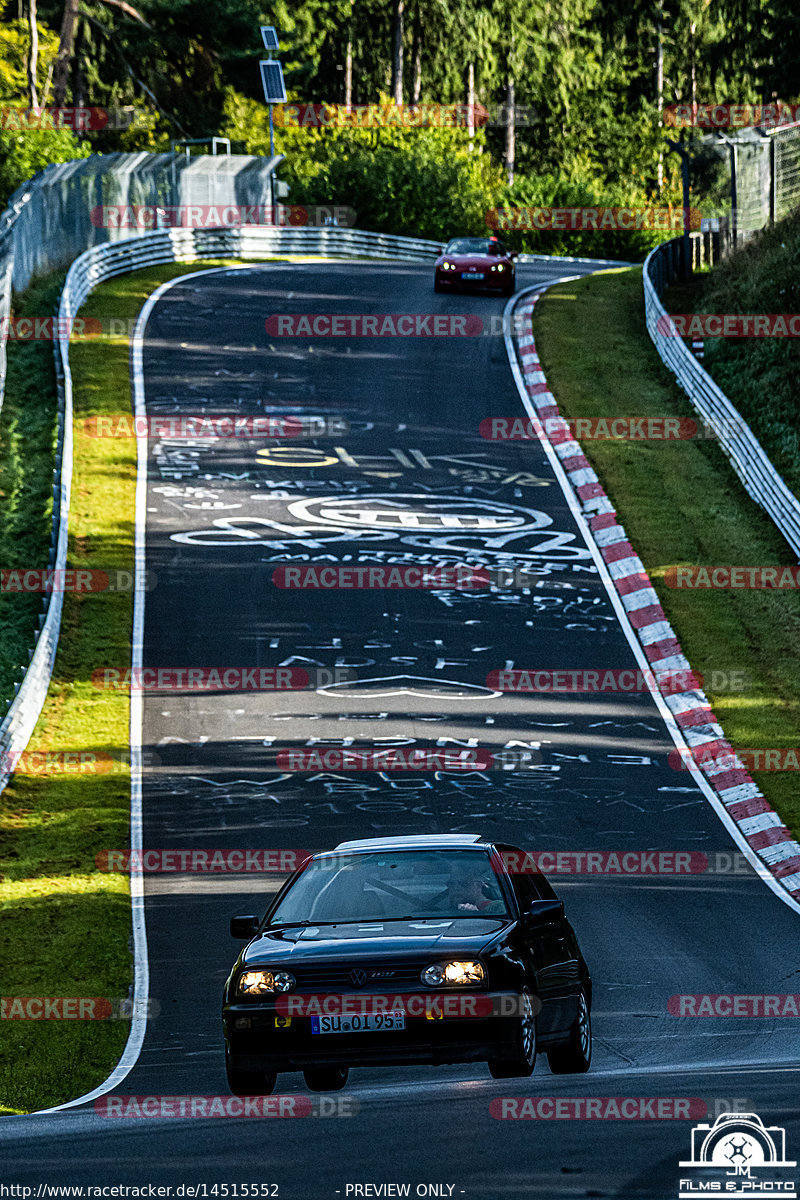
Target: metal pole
<point>687,237</point>
<point>734,189</point>
<point>686,241</point>
<point>773,179</point>
<point>271,135</point>
<point>734,195</point>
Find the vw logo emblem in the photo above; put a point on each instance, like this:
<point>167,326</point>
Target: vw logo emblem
<point>358,978</point>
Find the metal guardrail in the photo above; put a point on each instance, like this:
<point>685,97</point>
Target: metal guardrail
<point>23,712</point>
<point>747,457</point>
<point>87,272</point>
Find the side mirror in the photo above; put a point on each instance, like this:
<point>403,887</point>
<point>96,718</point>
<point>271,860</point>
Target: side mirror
<point>513,254</point>
<point>545,910</point>
<point>244,928</point>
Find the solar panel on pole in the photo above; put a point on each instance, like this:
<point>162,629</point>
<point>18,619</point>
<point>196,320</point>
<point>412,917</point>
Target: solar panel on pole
<point>272,82</point>
<point>270,37</point>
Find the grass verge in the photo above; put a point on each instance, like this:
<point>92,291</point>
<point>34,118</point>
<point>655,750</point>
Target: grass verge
<point>27,457</point>
<point>757,374</point>
<point>681,504</point>
<point>65,927</point>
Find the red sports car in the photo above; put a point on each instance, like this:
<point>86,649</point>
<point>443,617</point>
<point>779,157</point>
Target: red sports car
<point>475,262</point>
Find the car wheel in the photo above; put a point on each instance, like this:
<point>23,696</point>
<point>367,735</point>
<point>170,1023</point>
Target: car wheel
<point>437,287</point>
<point>250,1083</point>
<point>326,1079</point>
<point>575,1056</point>
<point>524,1059</point>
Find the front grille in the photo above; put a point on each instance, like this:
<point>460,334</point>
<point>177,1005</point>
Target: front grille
<point>337,978</point>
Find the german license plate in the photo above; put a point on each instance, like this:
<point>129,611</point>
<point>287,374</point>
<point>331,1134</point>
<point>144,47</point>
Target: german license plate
<point>359,1023</point>
<point>472,275</point>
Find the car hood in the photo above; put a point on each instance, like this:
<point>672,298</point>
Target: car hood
<point>371,940</point>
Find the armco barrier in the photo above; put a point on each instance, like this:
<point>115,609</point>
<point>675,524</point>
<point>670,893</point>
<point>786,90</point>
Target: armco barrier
<point>87,272</point>
<point>739,443</point>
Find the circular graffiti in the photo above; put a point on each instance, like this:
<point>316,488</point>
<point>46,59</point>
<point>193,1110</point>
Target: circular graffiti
<point>419,514</point>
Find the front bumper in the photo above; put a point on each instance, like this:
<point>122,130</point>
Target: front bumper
<point>271,1045</point>
<point>498,281</point>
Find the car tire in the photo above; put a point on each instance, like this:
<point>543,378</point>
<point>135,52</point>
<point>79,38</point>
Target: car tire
<point>524,1060</point>
<point>574,1057</point>
<point>250,1083</point>
<point>326,1079</point>
<point>437,287</point>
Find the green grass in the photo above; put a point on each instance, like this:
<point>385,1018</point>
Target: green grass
<point>65,927</point>
<point>27,458</point>
<point>758,375</point>
<point>680,503</point>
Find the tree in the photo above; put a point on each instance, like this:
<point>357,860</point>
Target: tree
<point>397,51</point>
<point>63,62</point>
<point>33,54</point>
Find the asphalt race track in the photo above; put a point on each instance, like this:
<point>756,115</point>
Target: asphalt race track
<point>411,482</point>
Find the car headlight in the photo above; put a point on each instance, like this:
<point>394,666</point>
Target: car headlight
<point>499,267</point>
<point>446,266</point>
<point>453,974</point>
<point>262,983</point>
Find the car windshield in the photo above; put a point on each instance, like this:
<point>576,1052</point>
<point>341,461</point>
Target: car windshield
<point>383,886</point>
<point>473,246</point>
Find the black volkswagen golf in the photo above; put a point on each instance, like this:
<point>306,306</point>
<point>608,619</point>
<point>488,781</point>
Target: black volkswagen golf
<point>442,948</point>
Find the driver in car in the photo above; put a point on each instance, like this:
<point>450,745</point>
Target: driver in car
<point>469,890</point>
